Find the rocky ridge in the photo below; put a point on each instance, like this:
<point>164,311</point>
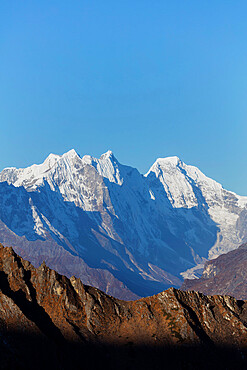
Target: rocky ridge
<point>49,320</point>
<point>226,274</point>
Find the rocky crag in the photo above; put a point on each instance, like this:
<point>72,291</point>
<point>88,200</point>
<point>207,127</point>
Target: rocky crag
<point>50,321</point>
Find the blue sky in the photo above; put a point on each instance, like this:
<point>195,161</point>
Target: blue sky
<point>143,78</point>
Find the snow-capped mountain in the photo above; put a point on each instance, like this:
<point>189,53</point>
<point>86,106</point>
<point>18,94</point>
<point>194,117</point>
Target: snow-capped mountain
<point>128,234</point>
<point>188,188</point>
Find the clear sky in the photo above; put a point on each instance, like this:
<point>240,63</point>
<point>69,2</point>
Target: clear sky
<point>143,78</point>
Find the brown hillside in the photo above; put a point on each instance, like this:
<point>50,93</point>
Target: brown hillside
<point>50,321</point>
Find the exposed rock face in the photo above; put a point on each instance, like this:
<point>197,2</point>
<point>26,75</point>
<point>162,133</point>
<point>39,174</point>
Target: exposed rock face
<point>127,234</point>
<point>49,320</point>
<point>226,274</point>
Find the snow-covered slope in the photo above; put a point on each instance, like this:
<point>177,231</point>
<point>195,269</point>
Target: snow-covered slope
<point>187,187</point>
<point>145,231</point>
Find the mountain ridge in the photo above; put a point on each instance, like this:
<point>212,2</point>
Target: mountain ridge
<point>226,274</point>
<point>55,322</point>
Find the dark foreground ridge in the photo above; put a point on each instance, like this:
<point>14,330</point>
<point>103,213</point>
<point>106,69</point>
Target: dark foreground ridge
<point>50,321</point>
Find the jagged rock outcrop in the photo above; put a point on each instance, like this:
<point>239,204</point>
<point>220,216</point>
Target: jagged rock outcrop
<point>226,274</point>
<point>48,320</point>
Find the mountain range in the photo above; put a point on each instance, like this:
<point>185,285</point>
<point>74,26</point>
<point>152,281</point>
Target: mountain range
<point>131,235</point>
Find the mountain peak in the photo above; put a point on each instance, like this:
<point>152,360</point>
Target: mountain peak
<point>167,162</point>
<point>174,160</point>
<point>109,154</point>
<point>51,157</point>
<point>71,154</point>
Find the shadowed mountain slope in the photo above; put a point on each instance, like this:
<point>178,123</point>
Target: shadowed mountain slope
<point>226,274</point>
